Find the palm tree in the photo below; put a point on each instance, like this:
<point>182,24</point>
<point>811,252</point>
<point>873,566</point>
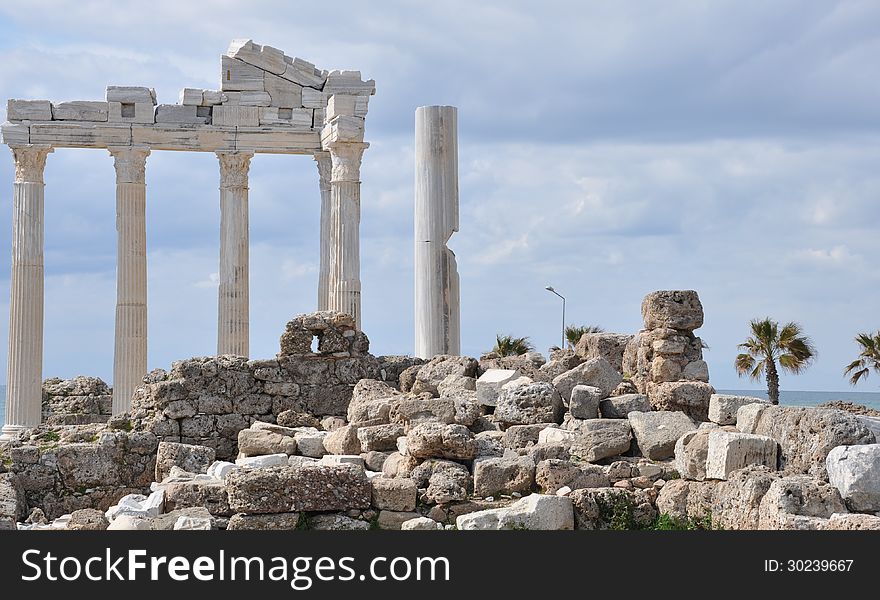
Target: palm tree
<point>573,333</point>
<point>507,345</point>
<point>869,357</point>
<point>769,344</point>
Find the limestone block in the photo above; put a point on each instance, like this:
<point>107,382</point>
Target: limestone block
<point>265,57</point>
<point>747,416</point>
<point>289,489</point>
<point>256,442</point>
<point>300,118</point>
<point>219,469</point>
<point>131,94</point>
<point>618,407</point>
<point>340,104</point>
<point>230,116</point>
<point>554,476</point>
<point>690,397</point>
<point>657,432</point>
<point>348,82</point>
<point>304,73</point>
<point>421,524</point>
<point>310,442</point>
<point>283,93</point>
<point>853,522</point>
<point>211,97</point>
<point>430,440</point>
<point>798,502</point>
<point>490,382</point>
<point>319,118</point>
<point>528,404</point>
<point>80,110</point>
<point>15,133</point>
<point>522,436</point>
<point>595,439</point>
<point>238,76</point>
<point>503,475</point>
<point>584,402</point>
<point>691,452</point>
<point>730,451</point>
<point>609,346</point>
<point>673,309</point>
<point>723,408</point>
<point>534,512</point>
<point>379,437</point>
<point>178,113</point>
<point>274,522</point>
<point>191,97</point>
<point>191,458</point>
<point>28,110</point>
<point>140,112</point>
<point>394,494</point>
<point>596,372</point>
<point>855,472</point>
<point>254,98</point>
<point>259,462</point>
<point>185,523</point>
<point>697,370</point>
<point>81,135</point>
<point>312,98</point>
<point>276,139</point>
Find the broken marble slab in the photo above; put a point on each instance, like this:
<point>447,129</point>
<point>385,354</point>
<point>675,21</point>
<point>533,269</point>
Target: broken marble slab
<point>265,57</point>
<point>348,82</point>
<point>191,96</point>
<point>80,110</point>
<point>28,110</point>
<point>237,116</point>
<point>131,94</point>
<point>312,98</point>
<point>179,113</point>
<point>236,75</point>
<point>304,73</point>
<point>283,93</point>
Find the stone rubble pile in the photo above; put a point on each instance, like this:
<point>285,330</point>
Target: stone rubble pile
<point>333,438</point>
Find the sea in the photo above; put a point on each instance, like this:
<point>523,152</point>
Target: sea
<point>786,397</point>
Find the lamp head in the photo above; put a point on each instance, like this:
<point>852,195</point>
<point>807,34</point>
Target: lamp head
<point>549,288</point>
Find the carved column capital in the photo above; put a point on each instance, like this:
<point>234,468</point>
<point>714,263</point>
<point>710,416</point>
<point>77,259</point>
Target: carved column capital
<point>30,162</point>
<point>346,159</point>
<point>130,163</point>
<point>322,159</point>
<point>234,167</point>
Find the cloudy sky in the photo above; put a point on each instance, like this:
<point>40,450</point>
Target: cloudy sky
<point>608,149</point>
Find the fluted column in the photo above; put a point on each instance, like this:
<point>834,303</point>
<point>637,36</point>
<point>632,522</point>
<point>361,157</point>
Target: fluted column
<point>344,280</point>
<point>24,368</point>
<point>233,315</point>
<point>130,351</point>
<point>437,309</point>
<point>324,167</point>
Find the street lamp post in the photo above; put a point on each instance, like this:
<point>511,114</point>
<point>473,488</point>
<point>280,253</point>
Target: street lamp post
<point>549,288</point>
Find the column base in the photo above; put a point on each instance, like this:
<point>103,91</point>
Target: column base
<point>10,432</point>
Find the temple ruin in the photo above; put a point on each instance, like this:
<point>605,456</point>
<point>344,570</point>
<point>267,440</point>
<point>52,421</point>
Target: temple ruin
<point>269,103</point>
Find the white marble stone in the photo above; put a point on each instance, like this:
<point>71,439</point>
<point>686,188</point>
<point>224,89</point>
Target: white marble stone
<point>267,460</point>
<point>73,134</point>
<point>28,110</point>
<point>312,98</point>
<point>16,134</point>
<point>131,94</point>
<point>324,164</point>
<point>191,96</point>
<point>730,451</point>
<point>283,93</point>
<point>266,58</point>
<point>139,112</point>
<point>299,118</point>
<point>211,97</point>
<point>80,110</point>
<point>179,113</point>
<point>219,469</point>
<point>237,75</point>
<point>304,73</point>
<point>348,82</point>
<point>723,407</point>
<point>490,382</point>
<point>437,309</point>
<point>185,523</point>
<point>254,98</point>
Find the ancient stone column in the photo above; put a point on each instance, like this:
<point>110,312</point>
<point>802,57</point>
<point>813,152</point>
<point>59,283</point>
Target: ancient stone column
<point>233,316</point>
<point>344,275</point>
<point>24,368</point>
<point>324,167</point>
<point>130,351</point>
<point>437,309</point>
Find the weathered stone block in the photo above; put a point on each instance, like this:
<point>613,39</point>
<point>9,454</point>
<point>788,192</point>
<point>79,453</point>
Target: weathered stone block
<point>288,489</point>
<point>855,472</point>
<point>434,440</point>
<point>596,372</point>
<point>528,404</point>
<point>584,402</point>
<point>503,475</point>
<point>394,494</point>
<point>534,512</point>
<point>730,451</point>
<point>257,442</point>
<point>723,407</point>
<point>618,407</point>
<point>489,384</point>
<point>656,432</point>
<point>673,309</point>
<point>271,522</point>
<point>190,458</point>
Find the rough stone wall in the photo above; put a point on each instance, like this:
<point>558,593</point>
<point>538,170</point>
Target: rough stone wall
<point>609,346</point>
<point>665,359</point>
<point>77,401</point>
<point>62,469</point>
<point>207,401</point>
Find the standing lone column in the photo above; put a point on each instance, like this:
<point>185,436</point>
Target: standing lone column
<point>24,369</point>
<point>233,316</point>
<point>437,310</point>
<point>344,280</point>
<point>324,167</point>
<point>130,352</point>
